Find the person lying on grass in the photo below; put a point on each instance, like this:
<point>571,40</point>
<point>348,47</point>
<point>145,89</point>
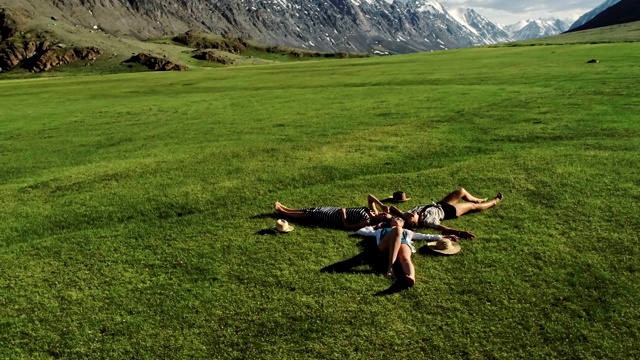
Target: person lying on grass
<point>396,241</point>
<point>337,217</point>
<point>448,208</point>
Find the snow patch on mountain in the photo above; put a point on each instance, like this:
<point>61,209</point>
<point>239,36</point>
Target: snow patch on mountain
<point>459,15</point>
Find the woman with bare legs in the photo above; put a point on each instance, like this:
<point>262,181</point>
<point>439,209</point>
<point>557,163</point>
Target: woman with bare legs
<point>396,241</point>
<point>450,207</point>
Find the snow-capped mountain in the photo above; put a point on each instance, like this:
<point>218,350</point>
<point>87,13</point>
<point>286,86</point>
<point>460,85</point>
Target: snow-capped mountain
<point>475,26</point>
<point>334,25</point>
<point>593,13</point>
<point>531,29</point>
<point>486,31</point>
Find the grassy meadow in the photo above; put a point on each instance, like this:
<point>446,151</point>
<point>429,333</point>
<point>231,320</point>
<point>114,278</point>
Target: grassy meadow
<point>131,208</point>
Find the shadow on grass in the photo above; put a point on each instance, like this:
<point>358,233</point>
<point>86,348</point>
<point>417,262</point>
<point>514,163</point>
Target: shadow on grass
<point>373,263</point>
<point>302,222</point>
<point>266,216</point>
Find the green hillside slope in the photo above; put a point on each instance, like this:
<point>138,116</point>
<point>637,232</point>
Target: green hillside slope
<point>629,32</point>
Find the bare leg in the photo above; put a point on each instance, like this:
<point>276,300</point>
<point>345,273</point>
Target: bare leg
<point>391,243</point>
<point>463,194</point>
<point>279,205</point>
<point>294,213</point>
<point>407,266</point>
<point>463,208</point>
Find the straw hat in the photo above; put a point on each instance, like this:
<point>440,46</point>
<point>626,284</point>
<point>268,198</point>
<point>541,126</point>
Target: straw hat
<point>398,196</point>
<point>283,226</point>
<point>444,246</point>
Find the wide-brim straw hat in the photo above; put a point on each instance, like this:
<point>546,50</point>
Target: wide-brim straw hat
<point>398,196</point>
<point>445,246</point>
<point>283,226</point>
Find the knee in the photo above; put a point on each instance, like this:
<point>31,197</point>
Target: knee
<point>404,257</point>
<point>461,190</point>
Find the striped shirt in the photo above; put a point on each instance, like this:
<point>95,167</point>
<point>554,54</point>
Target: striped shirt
<point>332,216</point>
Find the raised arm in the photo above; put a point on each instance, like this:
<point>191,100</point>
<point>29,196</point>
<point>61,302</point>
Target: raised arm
<point>395,211</point>
<point>373,201</point>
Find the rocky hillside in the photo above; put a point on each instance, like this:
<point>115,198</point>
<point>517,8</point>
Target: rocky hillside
<point>34,50</point>
<point>335,25</point>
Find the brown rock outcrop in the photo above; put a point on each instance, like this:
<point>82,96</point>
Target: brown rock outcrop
<point>13,54</point>
<point>56,57</point>
<point>213,57</point>
<point>156,63</point>
<point>8,25</point>
<point>33,50</point>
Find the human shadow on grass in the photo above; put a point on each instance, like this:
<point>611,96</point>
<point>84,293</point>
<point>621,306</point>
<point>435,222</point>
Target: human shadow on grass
<point>369,261</point>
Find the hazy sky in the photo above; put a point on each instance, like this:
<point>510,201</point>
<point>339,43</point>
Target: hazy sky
<point>507,12</point>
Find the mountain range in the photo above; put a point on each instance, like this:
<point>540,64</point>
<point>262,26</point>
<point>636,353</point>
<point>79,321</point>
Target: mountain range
<point>384,26</point>
<point>532,29</point>
<point>323,25</point>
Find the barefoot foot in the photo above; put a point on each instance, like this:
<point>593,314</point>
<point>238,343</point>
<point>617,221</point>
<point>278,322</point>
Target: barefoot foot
<point>410,281</point>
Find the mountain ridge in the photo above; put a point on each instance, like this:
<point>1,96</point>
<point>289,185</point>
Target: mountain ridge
<point>593,13</point>
<point>337,25</point>
<point>625,11</point>
<point>531,29</point>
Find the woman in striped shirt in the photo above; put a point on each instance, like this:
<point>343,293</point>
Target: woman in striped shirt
<point>338,217</point>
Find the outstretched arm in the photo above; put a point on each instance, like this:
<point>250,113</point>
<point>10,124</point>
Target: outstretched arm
<point>373,201</point>
<point>451,231</point>
<point>367,231</point>
<point>432,237</point>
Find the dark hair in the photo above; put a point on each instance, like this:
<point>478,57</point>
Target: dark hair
<point>383,224</point>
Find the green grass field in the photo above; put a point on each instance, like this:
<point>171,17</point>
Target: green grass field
<point>130,207</point>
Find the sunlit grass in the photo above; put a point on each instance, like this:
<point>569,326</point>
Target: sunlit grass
<point>130,207</point>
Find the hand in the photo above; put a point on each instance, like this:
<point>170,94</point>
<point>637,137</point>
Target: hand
<point>452,238</point>
<point>466,234</point>
<point>384,208</point>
